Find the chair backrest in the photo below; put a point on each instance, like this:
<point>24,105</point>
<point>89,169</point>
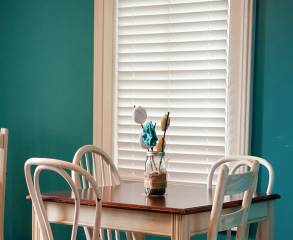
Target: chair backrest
<point>3,160</point>
<point>97,163</point>
<point>59,167</point>
<point>239,161</point>
<point>231,184</point>
<point>100,165</point>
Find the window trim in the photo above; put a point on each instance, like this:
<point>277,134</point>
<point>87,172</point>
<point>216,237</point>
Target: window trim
<point>104,36</point>
<point>240,65</point>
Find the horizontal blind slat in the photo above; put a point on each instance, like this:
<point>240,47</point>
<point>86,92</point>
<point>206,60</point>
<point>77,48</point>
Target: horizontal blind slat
<point>208,45</point>
<point>193,124</point>
<point>169,28</point>
<point>204,35</point>
<point>180,140</point>
<point>173,167</point>
<point>184,150</point>
<point>173,18</point>
<point>173,75</point>
<point>173,94</point>
<point>190,7</point>
<point>176,157</point>
<point>183,177</point>
<point>182,85</point>
<point>178,131</point>
<point>135,3</point>
<point>182,113</point>
<point>173,56</point>
<point>174,65</point>
<point>188,147</point>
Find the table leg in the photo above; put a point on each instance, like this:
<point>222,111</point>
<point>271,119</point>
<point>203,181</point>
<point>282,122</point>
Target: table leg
<point>137,236</point>
<point>265,229</point>
<point>180,227</point>
<point>36,233</point>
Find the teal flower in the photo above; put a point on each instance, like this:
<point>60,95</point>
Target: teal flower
<point>149,135</point>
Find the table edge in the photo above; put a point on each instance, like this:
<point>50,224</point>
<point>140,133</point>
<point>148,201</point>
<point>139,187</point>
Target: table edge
<point>181,211</point>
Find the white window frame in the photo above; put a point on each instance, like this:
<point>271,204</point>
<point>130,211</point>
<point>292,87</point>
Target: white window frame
<point>240,48</point>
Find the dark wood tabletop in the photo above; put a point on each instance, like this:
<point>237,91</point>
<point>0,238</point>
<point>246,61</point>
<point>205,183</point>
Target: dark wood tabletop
<point>179,199</point>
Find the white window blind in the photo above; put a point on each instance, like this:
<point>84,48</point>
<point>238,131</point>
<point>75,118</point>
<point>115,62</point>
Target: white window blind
<point>172,56</point>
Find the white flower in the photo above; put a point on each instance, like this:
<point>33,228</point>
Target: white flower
<point>139,115</point>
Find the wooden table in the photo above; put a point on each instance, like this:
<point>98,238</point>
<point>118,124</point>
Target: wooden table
<point>183,212</point>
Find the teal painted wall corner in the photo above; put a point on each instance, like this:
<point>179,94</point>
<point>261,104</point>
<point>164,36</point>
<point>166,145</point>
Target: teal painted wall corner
<point>46,66</point>
<point>272,131</point>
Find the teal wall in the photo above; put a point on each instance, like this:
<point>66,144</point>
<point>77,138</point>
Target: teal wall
<point>46,52</point>
<point>46,59</point>
<point>272,129</point>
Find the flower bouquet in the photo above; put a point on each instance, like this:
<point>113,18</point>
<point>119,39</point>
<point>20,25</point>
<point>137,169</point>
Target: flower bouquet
<point>155,176</point>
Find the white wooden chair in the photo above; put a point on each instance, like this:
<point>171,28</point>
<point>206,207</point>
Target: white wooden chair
<point>59,167</point>
<point>100,165</point>
<point>3,160</point>
<point>230,184</point>
<point>237,162</point>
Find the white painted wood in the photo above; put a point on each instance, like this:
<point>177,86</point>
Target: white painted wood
<point>137,236</point>
<point>117,235</point>
<point>112,218</point>
<point>147,222</point>
<point>109,234</point>
<point>3,162</point>
<point>104,48</point>
<point>233,184</point>
<point>238,161</point>
<point>36,234</point>
<point>129,236</point>
<point>266,228</point>
<point>98,72</point>
<point>102,234</point>
<point>100,165</point>
<point>180,227</point>
<point>59,167</point>
<point>239,77</point>
<point>238,183</point>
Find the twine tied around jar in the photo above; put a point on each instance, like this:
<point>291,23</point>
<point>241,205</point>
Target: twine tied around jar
<point>155,180</point>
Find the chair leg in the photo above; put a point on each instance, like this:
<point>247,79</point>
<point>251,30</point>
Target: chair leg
<point>228,234</point>
<point>102,234</point>
<point>128,236</point>
<point>247,231</point>
<point>265,229</point>
<point>88,233</point>
<point>109,234</point>
<point>243,231</point>
<point>257,232</point>
<point>117,235</point>
<point>137,236</point>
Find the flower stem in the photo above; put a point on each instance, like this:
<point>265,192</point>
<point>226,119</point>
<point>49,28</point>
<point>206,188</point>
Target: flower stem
<point>163,140</point>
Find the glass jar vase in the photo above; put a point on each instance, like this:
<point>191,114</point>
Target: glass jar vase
<point>155,176</point>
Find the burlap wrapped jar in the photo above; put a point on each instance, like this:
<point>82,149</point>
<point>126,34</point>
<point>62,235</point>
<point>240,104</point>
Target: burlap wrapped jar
<point>155,176</point>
